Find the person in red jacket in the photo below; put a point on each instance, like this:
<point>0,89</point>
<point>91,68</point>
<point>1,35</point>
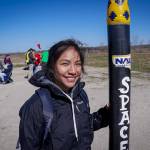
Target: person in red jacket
<point>37,62</point>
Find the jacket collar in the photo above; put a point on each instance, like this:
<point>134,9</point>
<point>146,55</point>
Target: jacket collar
<point>40,80</point>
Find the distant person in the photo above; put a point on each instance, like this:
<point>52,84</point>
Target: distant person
<point>72,126</point>
<point>37,62</point>
<point>6,72</point>
<point>30,59</point>
<point>44,59</point>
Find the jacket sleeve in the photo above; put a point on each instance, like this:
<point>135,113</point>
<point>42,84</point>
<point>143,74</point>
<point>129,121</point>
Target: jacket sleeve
<point>30,128</point>
<point>100,118</point>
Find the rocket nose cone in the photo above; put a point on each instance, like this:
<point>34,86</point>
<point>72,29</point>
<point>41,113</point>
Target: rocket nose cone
<point>118,12</point>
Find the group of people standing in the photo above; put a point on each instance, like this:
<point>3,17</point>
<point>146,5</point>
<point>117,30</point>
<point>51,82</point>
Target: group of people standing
<point>35,61</point>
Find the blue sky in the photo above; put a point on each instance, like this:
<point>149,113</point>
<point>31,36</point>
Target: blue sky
<point>24,23</point>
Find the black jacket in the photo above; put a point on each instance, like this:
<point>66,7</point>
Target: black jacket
<point>8,69</point>
<point>72,125</point>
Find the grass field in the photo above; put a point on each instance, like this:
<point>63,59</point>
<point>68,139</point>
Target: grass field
<point>140,61</point>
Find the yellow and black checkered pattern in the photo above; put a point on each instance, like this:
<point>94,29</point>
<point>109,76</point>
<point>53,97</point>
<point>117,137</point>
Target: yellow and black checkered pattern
<point>118,12</point>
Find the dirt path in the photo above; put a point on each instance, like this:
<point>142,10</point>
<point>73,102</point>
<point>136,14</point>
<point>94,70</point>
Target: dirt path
<point>13,96</point>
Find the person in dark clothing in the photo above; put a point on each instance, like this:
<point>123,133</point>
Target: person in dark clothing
<point>6,72</point>
<point>73,125</point>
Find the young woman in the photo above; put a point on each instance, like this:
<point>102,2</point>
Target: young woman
<point>72,125</point>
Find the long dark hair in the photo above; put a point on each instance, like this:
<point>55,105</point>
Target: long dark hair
<point>7,59</point>
<point>55,52</point>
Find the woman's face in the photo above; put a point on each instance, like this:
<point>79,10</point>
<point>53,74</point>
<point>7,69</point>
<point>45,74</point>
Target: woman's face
<point>67,69</point>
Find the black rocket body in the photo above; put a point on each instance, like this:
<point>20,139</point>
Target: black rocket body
<point>118,20</point>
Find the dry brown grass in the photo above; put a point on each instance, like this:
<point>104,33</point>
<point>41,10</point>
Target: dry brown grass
<point>17,59</point>
<point>140,60</point>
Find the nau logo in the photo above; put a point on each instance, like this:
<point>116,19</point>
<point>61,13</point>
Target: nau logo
<point>122,60</point>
